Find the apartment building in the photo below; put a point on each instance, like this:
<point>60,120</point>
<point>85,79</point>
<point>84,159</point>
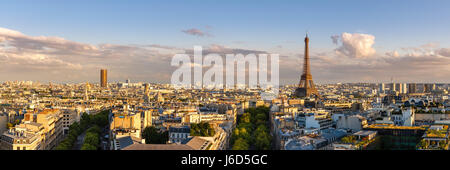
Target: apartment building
<point>314,120</point>
<point>20,140</point>
<point>38,131</point>
<point>69,117</point>
<point>126,123</point>
<point>178,134</point>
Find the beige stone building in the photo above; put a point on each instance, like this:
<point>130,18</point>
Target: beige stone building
<point>69,117</point>
<point>123,123</point>
<point>37,131</point>
<point>20,140</point>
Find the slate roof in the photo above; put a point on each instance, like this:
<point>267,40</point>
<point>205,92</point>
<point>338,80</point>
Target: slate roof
<point>195,143</point>
<point>157,147</point>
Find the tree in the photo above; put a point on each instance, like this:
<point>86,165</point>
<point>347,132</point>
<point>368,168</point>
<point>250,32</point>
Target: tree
<point>244,133</point>
<point>95,122</point>
<point>260,116</point>
<point>423,144</point>
<point>68,142</point>
<point>94,129</point>
<point>202,129</point>
<point>85,117</point>
<point>9,125</point>
<point>101,118</point>
<point>194,129</point>
<point>261,138</point>
<point>262,141</point>
<point>75,128</point>
<point>88,147</point>
<point>245,136</point>
<point>245,118</point>
<point>236,132</point>
<point>348,139</point>
<point>153,136</point>
<point>240,144</point>
<point>211,131</point>
<point>92,139</point>
<point>248,126</point>
<point>84,121</point>
<point>260,119</point>
<point>442,144</point>
<point>64,145</point>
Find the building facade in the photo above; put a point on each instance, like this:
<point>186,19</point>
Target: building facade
<point>103,78</point>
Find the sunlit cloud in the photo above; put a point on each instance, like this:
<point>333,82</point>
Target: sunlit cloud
<point>355,45</point>
<point>45,58</point>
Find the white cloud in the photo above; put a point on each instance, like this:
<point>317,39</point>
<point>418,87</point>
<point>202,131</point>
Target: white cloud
<point>426,63</point>
<point>35,57</point>
<point>41,58</point>
<point>356,45</point>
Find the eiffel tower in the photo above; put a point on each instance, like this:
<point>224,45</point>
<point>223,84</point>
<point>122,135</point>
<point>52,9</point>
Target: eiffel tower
<point>306,86</point>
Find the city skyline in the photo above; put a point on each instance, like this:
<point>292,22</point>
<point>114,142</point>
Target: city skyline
<point>407,48</point>
<point>253,76</point>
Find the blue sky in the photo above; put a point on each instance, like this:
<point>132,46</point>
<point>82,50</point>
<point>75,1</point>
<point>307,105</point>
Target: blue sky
<point>275,26</point>
<point>263,24</point>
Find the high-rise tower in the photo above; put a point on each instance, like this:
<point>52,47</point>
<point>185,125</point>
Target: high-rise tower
<point>103,78</point>
<point>412,88</point>
<point>381,88</point>
<point>306,86</point>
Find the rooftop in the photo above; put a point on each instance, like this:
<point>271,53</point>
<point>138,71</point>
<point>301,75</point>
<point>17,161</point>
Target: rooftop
<point>48,111</point>
<point>364,133</point>
<point>391,126</point>
<point>157,147</point>
<point>437,131</point>
<point>179,129</point>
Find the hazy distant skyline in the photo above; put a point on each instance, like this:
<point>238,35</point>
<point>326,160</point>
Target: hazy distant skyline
<point>350,41</point>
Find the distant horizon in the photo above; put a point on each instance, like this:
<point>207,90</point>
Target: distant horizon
<point>350,41</point>
<point>113,82</point>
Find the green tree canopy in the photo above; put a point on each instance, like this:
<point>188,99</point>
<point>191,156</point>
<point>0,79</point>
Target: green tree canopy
<point>153,136</point>
<point>240,144</point>
<point>92,139</point>
<point>202,129</point>
<point>252,131</point>
<point>88,147</point>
